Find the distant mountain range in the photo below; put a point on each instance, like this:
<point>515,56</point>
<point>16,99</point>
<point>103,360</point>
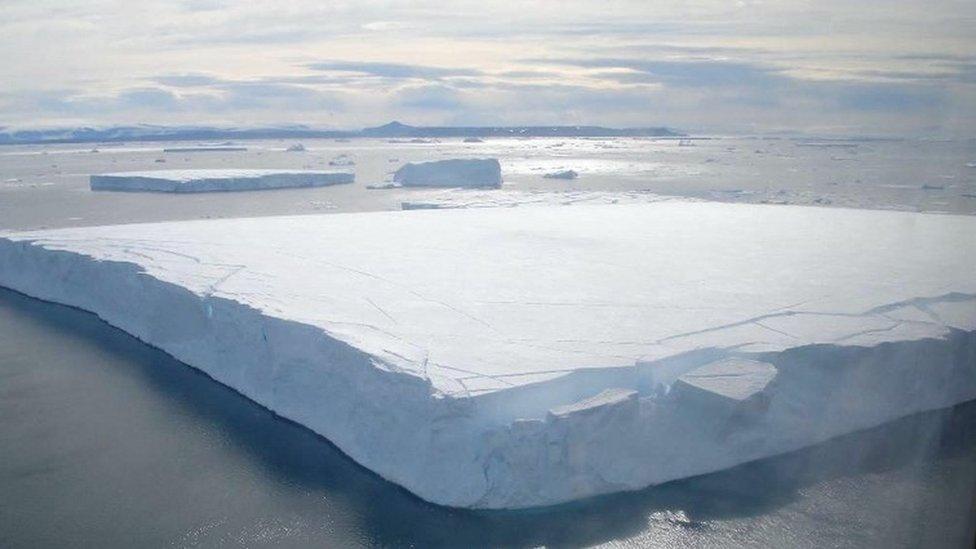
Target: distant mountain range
<point>396,129</point>
<point>391,130</point>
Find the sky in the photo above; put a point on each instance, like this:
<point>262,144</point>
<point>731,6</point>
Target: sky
<point>862,67</point>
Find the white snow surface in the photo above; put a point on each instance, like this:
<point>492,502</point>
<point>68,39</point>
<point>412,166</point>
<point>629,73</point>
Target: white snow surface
<point>506,358</point>
<point>213,180</point>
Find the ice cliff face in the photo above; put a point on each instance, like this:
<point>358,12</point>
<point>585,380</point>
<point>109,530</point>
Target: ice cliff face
<point>516,358</point>
<point>461,172</point>
<point>203,180</point>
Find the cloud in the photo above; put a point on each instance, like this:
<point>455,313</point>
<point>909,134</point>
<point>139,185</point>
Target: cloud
<point>889,98</point>
<point>387,25</point>
<point>290,97</point>
<point>686,73</point>
<point>735,82</point>
<point>186,80</point>
<point>709,64</point>
<point>392,70</point>
<point>429,97</point>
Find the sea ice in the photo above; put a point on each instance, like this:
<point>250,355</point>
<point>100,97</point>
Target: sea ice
<point>443,199</point>
<point>195,181</point>
<point>461,172</point>
<point>506,358</point>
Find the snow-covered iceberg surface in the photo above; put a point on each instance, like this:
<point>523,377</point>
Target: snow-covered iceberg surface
<point>458,172</point>
<point>198,181</point>
<point>504,358</point>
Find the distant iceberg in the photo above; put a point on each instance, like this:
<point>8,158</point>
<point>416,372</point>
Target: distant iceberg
<point>342,160</point>
<point>196,181</point>
<point>564,174</point>
<point>466,172</point>
<point>205,148</point>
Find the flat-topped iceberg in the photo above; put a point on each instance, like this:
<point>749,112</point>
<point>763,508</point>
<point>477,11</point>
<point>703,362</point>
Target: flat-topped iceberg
<point>197,181</point>
<point>205,148</point>
<point>458,172</point>
<point>506,358</point>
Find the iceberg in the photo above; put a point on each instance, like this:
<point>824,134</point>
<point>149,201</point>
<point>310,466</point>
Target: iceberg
<point>459,172</point>
<point>196,181</point>
<point>509,358</point>
<point>564,174</point>
<point>205,148</point>
<point>342,160</point>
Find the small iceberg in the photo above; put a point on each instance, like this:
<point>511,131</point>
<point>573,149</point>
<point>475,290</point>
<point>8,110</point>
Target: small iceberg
<point>565,174</point>
<point>462,172</point>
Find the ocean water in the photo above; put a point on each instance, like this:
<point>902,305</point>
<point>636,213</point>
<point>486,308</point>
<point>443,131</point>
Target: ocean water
<point>47,186</point>
<point>107,442</point>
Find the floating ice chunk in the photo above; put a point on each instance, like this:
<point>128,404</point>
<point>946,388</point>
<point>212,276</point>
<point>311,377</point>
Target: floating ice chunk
<point>342,160</point>
<point>725,384</point>
<point>609,398</point>
<point>565,174</point>
<point>462,172</point>
<point>297,147</point>
<point>473,140</point>
<point>194,181</point>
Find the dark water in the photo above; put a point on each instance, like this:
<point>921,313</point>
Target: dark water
<point>106,442</point>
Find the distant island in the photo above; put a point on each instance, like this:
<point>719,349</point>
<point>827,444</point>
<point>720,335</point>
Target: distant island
<point>396,129</point>
<point>391,130</point>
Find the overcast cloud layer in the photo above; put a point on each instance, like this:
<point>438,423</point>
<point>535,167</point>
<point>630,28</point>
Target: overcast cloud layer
<point>831,67</point>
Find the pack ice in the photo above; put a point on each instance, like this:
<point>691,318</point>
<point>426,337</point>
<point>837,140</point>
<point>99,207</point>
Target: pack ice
<point>203,180</point>
<point>508,358</point>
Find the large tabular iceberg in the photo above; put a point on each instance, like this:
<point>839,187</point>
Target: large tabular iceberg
<point>203,180</point>
<point>458,172</point>
<point>504,358</point>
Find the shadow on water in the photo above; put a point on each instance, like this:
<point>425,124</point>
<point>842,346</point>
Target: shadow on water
<point>292,456</point>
